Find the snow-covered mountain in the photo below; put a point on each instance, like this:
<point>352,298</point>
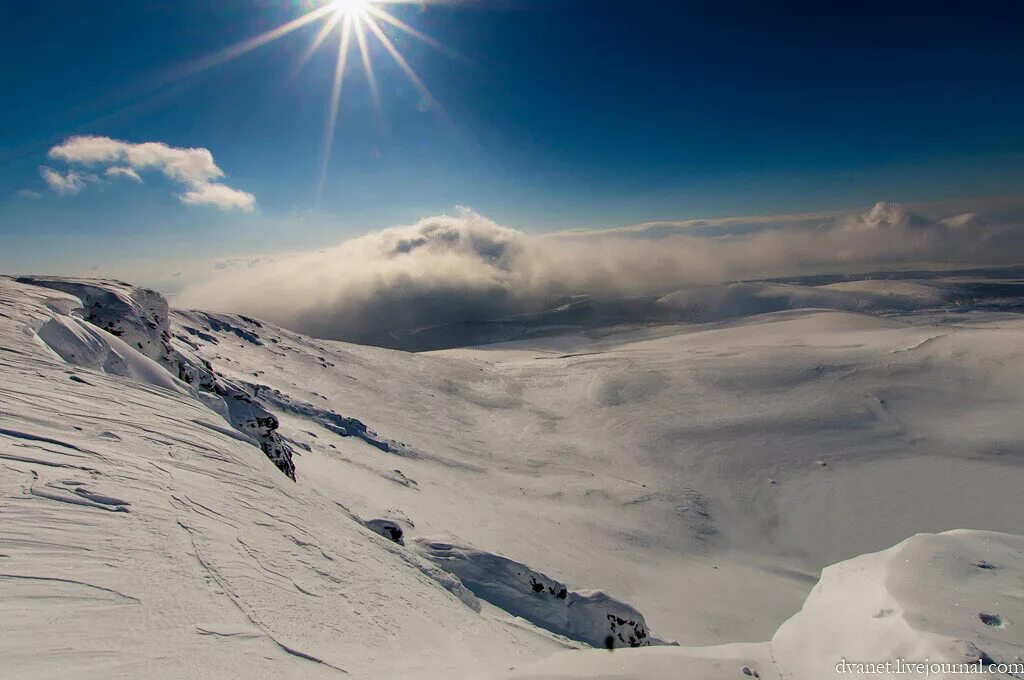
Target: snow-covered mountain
<point>187,494</point>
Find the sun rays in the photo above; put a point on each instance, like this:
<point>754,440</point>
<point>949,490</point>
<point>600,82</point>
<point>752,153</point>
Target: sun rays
<point>355,19</point>
<point>347,21</point>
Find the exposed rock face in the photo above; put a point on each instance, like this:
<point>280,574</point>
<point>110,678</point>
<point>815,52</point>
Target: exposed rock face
<point>139,318</point>
<point>329,419</point>
<point>249,417</point>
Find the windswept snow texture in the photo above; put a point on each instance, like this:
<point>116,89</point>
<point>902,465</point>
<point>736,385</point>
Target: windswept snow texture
<point>924,600</point>
<point>140,539</point>
<point>591,616</point>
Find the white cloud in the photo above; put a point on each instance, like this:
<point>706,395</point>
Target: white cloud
<point>189,166</point>
<point>70,182</point>
<point>29,193</point>
<point>192,167</point>
<point>455,269</point>
<point>964,221</point>
<point>220,196</point>
<point>121,171</point>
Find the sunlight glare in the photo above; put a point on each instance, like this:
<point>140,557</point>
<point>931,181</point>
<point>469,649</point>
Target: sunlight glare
<point>354,21</point>
<point>357,19</point>
<point>346,7</point>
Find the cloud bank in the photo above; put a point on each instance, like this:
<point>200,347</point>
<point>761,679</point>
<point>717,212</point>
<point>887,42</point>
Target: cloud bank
<point>466,268</point>
<point>193,168</point>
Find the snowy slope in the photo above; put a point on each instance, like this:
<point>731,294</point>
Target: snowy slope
<point>698,476</point>
<point>642,464</point>
<point>143,537</point>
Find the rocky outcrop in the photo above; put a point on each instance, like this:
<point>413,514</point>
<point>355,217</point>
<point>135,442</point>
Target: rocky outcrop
<point>589,616</point>
<point>388,528</point>
<point>138,317</point>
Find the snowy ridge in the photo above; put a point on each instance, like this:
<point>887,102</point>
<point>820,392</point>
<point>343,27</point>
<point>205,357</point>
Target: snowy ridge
<point>869,296</point>
<point>878,293</point>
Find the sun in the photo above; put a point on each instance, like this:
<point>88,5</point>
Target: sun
<point>358,20</point>
<point>343,7</point>
<point>354,23</point>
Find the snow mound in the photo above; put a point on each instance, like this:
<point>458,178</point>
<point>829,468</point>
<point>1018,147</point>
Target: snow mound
<point>892,289</point>
<point>932,597</point>
<point>711,303</point>
<point>589,616</point>
<point>136,315</point>
<point>950,598</point>
<point>54,319</point>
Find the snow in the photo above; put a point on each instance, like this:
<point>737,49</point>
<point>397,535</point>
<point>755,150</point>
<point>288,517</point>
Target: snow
<point>138,542</point>
<point>692,478</point>
<point>80,343</point>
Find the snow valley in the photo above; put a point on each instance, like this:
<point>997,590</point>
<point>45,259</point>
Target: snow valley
<point>756,479</point>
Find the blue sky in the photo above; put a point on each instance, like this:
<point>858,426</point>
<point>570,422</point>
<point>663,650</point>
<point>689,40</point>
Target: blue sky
<point>558,114</point>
